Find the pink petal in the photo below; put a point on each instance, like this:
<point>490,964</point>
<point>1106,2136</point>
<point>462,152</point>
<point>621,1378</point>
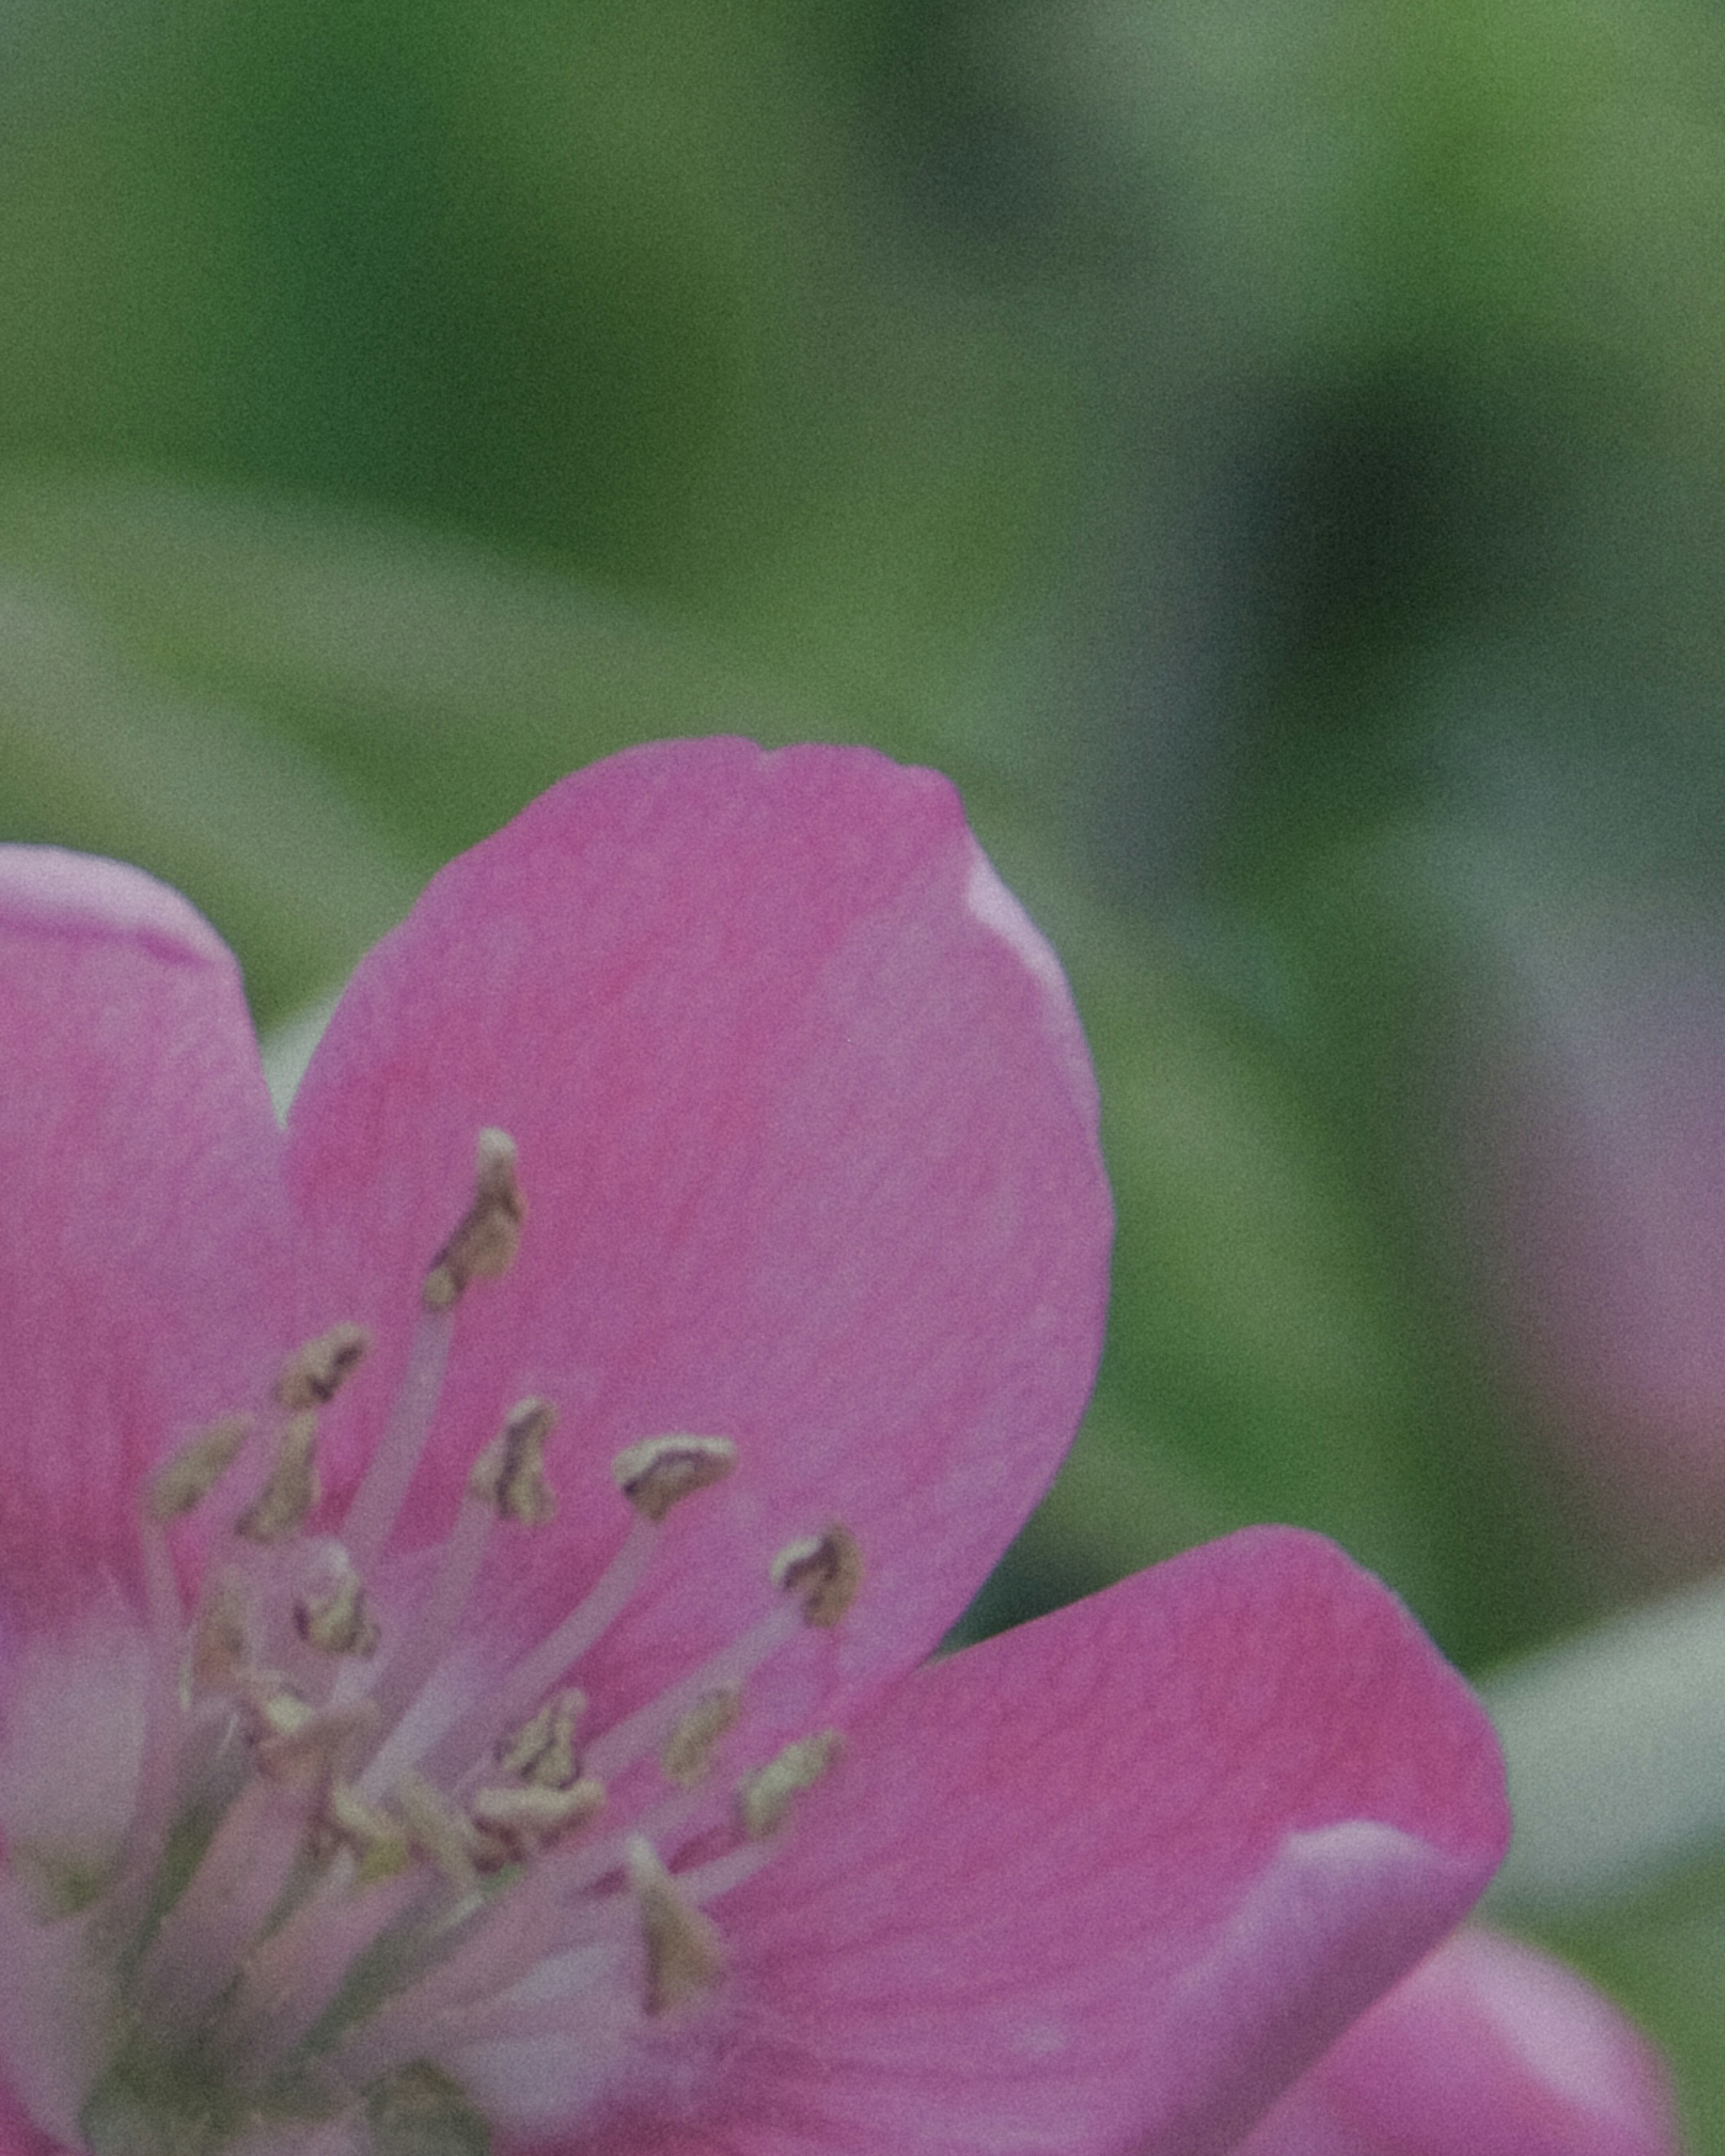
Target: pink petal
<point>1609,1194</point>
<point>1108,1884</point>
<point>145,1217</point>
<point>1489,2049</point>
<point>807,1134</point>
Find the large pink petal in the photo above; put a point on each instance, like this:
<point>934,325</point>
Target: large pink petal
<point>141,1280</point>
<point>807,1133</point>
<point>1108,1884</point>
<point>1489,2049</point>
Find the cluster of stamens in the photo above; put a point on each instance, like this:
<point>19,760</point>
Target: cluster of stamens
<point>316,1901</point>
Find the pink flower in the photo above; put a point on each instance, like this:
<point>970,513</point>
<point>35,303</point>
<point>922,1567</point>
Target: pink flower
<point>330,1479</point>
<point>1608,1194</point>
<point>1489,2049</point>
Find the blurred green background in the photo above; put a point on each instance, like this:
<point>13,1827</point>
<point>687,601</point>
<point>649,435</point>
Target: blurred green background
<point>1271,451</point>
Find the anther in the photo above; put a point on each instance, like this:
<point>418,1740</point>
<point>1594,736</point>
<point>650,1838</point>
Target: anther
<point>685,1959</point>
<point>377,1840</point>
<point>657,1471</point>
<point>688,1755</point>
<point>355,1819</point>
<point>823,1572</point>
<point>509,1476</point>
<point>181,1484</point>
<point>336,1619</point>
<point>313,1375</point>
<point>543,1751</point>
<point>219,1643</point>
<point>764,1800</point>
<point>484,1245</point>
<point>438,1830</point>
<point>286,1500</point>
<point>516,1822</point>
<point>274,1710</point>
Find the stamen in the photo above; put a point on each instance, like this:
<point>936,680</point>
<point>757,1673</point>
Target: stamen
<point>376,1838</point>
<point>509,1476</point>
<point>685,1959</point>
<point>702,1883</point>
<point>335,1878</point>
<point>181,1484</point>
<point>544,1747</point>
<point>238,1883</point>
<point>763,1801</point>
<point>521,1821</point>
<point>336,1618</point>
<point>473,1735</point>
<point>569,1877</point>
<point>288,1979</point>
<point>377,1501</point>
<point>489,1233</point>
<point>688,1755</point>
<point>656,1472</point>
<point>219,1641</point>
<point>508,1482</point>
<point>287,1500</point>
<point>313,1375</point>
<point>647,1727</point>
<point>438,1830</point>
<point>272,1707</point>
<point>501,1941</point>
<point>543,1751</point>
<point>823,1572</point>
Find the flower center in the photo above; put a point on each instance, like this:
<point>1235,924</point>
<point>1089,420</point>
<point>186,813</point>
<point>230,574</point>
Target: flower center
<point>295,1871</point>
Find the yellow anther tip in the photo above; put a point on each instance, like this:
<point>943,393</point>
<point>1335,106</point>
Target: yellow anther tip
<point>312,1375</point>
<point>684,1959</point>
<point>509,1476</point>
<point>764,1800</point>
<point>488,1234</point>
<point>658,1472</point>
<point>181,1484</point>
<point>824,1572</point>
